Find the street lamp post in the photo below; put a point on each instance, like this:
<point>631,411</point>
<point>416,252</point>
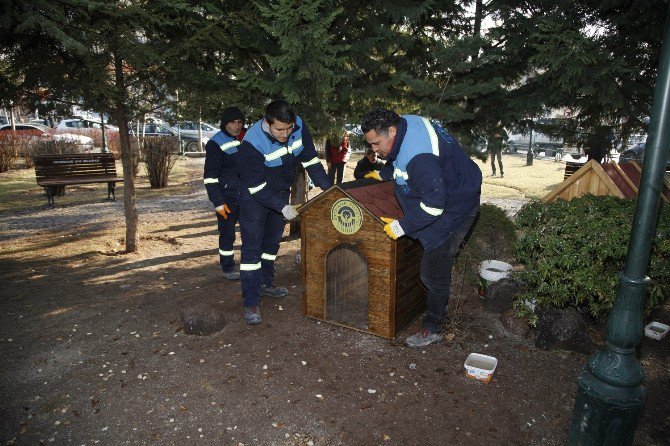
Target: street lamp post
<point>529,154</point>
<point>610,393</point>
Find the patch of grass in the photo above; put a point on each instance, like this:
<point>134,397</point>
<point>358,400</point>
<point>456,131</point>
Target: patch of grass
<point>521,181</point>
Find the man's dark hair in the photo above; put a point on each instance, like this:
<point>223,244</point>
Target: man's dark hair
<point>379,120</point>
<point>281,110</point>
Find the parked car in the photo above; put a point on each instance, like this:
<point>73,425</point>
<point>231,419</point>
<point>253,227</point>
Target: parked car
<point>636,153</point>
<point>191,129</point>
<point>78,123</point>
<point>189,142</point>
<point>152,129</point>
<point>39,131</point>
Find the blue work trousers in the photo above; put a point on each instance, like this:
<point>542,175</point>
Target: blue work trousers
<point>227,235</point>
<point>436,268</point>
<point>261,229</point>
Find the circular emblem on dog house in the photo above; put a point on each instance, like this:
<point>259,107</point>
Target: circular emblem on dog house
<point>346,216</point>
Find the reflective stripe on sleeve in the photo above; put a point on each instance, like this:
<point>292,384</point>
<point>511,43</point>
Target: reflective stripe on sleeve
<point>229,145</point>
<point>253,190</point>
<point>225,253</point>
<point>211,180</point>
<point>250,266</point>
<point>433,137</point>
<point>266,256</point>
<point>314,160</point>
<point>432,211</point>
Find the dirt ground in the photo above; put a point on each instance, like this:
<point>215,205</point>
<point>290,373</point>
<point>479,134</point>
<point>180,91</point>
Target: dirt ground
<point>94,352</point>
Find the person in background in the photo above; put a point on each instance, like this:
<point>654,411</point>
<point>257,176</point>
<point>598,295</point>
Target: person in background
<point>339,155</point>
<point>222,183</point>
<point>497,138</point>
<point>269,157</point>
<point>367,164</point>
<point>599,144</point>
<point>438,188</point>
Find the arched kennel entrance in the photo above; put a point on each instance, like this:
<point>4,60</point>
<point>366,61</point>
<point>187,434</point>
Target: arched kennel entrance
<point>346,286</point>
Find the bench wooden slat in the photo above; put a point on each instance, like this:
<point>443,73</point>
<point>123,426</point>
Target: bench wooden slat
<point>52,171</point>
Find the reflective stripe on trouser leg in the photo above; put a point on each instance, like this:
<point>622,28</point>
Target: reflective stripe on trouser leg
<point>274,229</point>
<point>227,236</point>
<point>252,228</point>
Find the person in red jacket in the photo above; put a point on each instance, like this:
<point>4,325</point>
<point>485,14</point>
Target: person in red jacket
<point>339,155</point>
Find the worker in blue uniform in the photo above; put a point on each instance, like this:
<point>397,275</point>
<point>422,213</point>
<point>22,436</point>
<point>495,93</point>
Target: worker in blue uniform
<point>269,157</point>
<point>222,183</point>
<point>438,188</point>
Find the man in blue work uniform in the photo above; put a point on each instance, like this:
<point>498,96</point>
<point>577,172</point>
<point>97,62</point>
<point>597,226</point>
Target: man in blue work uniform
<point>222,182</point>
<point>438,187</point>
<point>269,157</point>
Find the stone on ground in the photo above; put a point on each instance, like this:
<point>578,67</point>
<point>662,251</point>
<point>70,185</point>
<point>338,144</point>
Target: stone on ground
<point>563,328</point>
<point>202,319</point>
<point>500,295</point>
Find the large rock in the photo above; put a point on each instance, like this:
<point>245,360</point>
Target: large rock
<point>514,324</point>
<point>202,319</point>
<point>563,328</point>
<point>500,295</point>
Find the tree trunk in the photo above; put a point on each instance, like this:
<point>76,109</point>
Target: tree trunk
<point>127,158</point>
<point>298,196</point>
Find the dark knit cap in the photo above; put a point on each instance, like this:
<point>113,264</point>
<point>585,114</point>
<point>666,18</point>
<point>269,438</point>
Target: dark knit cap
<point>231,114</point>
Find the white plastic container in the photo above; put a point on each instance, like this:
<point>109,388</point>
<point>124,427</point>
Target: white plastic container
<point>491,271</point>
<point>480,367</point>
<point>656,330</point>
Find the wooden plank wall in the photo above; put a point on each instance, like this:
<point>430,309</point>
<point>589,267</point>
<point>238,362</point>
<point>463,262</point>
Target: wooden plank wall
<point>589,183</point>
<point>410,298</point>
<point>319,237</point>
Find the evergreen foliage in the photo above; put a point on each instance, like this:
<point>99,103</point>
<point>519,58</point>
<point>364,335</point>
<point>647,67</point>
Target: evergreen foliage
<point>574,251</point>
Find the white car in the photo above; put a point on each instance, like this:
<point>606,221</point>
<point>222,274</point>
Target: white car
<point>70,125</point>
<point>39,131</point>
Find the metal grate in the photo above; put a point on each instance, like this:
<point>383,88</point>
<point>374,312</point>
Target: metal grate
<point>347,286</point>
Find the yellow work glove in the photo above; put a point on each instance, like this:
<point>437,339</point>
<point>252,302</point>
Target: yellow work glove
<point>223,211</point>
<point>374,175</point>
<point>392,228</point>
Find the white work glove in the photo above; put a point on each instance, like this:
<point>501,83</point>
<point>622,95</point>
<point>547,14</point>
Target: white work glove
<point>289,212</point>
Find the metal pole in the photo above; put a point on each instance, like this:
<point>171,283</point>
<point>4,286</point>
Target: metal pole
<point>529,154</point>
<point>610,393</point>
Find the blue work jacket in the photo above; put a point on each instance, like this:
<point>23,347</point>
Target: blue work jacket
<point>268,167</point>
<point>437,185</point>
<point>221,177</point>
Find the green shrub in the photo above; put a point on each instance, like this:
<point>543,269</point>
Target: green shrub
<point>574,251</point>
<point>492,237</point>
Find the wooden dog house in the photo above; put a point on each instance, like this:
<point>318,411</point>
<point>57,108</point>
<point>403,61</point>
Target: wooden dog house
<point>620,180</point>
<point>353,274</point>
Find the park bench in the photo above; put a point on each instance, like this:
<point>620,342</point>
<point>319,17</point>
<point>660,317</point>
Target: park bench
<point>54,172</point>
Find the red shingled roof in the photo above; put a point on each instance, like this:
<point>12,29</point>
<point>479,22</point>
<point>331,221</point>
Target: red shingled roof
<point>377,198</point>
